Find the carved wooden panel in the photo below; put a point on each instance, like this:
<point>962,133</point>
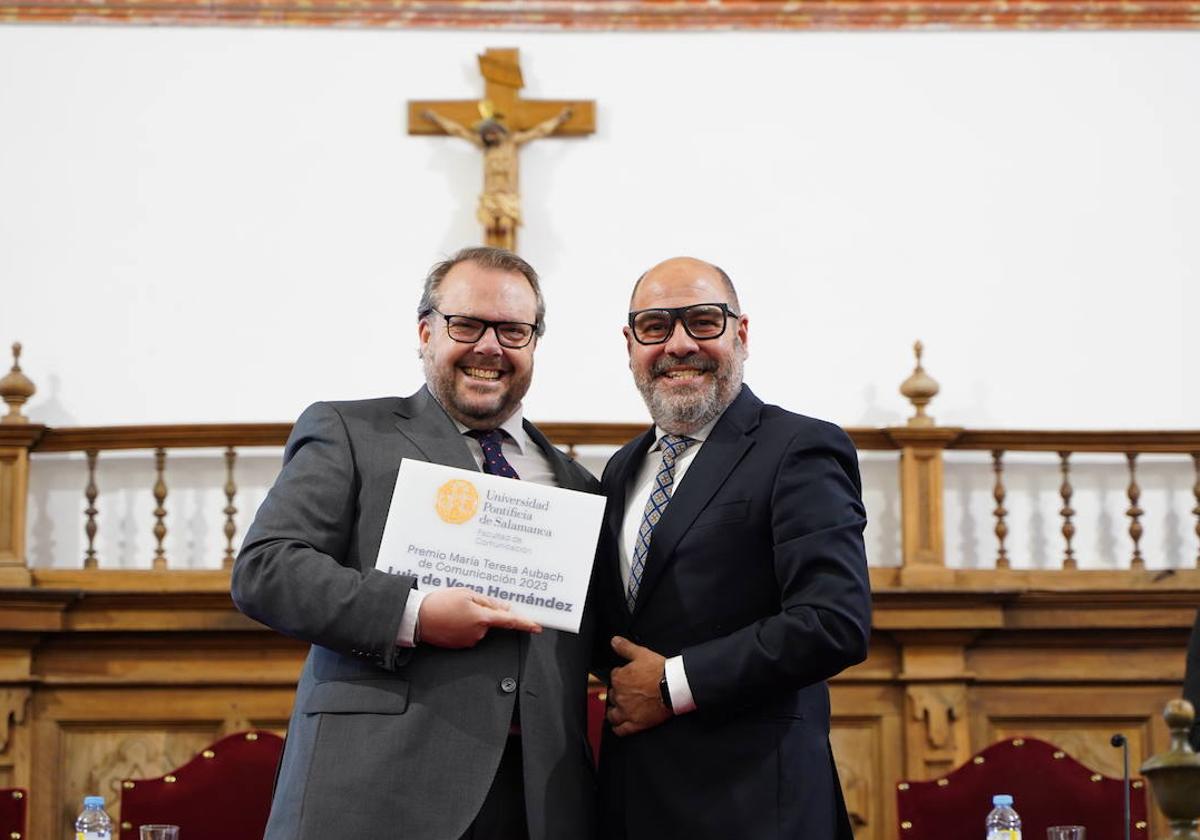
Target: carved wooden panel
<point>14,736</point>
<point>856,753</point>
<point>13,703</point>
<point>935,728</point>
<point>867,750</point>
<point>94,760</point>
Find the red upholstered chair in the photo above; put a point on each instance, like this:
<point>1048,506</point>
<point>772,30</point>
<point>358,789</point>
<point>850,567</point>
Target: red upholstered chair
<point>13,802</point>
<point>224,793</point>
<point>1048,788</point>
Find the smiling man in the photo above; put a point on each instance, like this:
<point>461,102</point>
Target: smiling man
<point>424,716</point>
<point>731,582</point>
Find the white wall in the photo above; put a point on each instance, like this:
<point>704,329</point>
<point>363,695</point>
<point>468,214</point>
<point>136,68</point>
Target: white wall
<point>226,224</point>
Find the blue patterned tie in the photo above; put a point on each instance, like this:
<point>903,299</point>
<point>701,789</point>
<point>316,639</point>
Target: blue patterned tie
<point>672,447</point>
<point>494,462</point>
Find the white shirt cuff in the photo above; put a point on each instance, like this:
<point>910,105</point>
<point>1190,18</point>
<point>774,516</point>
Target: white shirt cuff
<point>682,701</point>
<point>408,634</point>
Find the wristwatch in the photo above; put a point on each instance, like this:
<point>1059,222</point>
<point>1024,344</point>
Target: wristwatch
<point>664,691</point>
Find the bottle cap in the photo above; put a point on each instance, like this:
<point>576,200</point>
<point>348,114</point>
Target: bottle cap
<point>1002,799</point>
<point>93,801</point>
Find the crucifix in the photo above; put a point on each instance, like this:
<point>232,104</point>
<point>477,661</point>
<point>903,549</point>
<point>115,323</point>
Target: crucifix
<point>498,125</point>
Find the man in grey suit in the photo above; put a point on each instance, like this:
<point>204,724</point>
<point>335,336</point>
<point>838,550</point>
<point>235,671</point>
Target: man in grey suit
<point>424,716</point>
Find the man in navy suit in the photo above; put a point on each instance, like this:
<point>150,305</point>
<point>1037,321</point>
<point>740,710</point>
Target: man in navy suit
<point>731,583</point>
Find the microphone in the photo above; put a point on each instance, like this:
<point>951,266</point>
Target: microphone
<point>1120,740</point>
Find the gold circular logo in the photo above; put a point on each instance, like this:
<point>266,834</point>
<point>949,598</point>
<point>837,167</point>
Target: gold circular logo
<point>457,501</point>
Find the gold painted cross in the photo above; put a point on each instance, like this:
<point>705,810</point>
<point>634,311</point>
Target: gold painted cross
<point>499,124</point>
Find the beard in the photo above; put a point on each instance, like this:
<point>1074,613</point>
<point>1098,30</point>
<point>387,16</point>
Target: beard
<point>473,409</point>
<point>693,409</point>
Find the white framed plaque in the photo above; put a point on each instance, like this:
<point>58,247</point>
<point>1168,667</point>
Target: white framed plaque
<point>526,544</point>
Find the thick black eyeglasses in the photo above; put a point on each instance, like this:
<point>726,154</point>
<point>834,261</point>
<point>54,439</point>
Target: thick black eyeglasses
<point>511,334</point>
<point>702,321</point>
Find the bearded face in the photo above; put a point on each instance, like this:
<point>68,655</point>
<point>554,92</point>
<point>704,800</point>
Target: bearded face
<point>687,382</point>
<point>479,383</point>
<point>685,394</point>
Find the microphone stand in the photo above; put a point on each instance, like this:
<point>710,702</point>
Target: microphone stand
<point>1120,740</point>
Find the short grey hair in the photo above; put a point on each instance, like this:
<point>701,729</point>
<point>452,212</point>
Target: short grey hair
<point>484,257</point>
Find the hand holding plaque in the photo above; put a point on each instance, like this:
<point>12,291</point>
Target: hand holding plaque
<point>517,543</point>
<point>461,617</point>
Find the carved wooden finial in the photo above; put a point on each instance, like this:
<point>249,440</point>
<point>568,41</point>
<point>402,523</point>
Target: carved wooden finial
<point>1179,715</point>
<point>1174,775</point>
<point>16,388</point>
<point>920,388</point>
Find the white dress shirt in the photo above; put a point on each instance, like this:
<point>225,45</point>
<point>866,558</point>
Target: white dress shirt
<point>643,484</point>
<point>531,464</point>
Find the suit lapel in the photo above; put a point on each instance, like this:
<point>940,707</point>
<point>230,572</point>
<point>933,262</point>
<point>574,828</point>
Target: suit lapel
<point>726,445</point>
<point>422,420</point>
<point>564,476</point>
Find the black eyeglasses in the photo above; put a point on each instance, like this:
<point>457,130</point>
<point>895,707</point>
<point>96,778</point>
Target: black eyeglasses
<point>702,321</point>
<point>511,334</point>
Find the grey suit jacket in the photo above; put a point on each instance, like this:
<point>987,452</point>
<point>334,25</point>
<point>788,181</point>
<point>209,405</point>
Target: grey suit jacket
<point>387,741</point>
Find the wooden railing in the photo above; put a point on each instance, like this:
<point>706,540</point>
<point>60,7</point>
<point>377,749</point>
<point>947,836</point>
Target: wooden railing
<point>921,446</point>
<point>1065,444</point>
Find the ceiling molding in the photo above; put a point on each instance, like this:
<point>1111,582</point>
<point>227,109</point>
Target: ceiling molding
<point>620,15</point>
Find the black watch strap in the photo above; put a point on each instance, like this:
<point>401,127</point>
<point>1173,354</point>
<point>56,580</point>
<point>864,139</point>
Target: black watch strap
<point>664,691</point>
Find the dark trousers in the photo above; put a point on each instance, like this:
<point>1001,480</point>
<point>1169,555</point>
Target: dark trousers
<point>502,816</point>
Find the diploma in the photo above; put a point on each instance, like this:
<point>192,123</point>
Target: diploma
<point>523,543</point>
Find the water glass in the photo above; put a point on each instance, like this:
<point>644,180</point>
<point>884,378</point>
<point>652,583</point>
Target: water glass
<point>1065,832</point>
<point>158,832</point>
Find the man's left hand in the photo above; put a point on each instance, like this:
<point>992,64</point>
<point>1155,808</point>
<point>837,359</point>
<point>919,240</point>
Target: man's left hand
<point>634,701</point>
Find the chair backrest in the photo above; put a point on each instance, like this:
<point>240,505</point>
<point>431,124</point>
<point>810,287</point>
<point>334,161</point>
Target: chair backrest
<point>224,793</point>
<point>1048,787</point>
<point>13,804</point>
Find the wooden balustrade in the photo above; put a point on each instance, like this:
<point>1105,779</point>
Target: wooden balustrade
<point>1130,444</point>
<point>161,440</point>
<point>921,445</point>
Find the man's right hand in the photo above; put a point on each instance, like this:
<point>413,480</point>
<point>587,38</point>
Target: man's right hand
<point>459,618</point>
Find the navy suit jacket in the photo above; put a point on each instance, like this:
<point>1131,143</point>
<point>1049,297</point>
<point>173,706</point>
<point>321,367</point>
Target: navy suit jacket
<point>757,575</point>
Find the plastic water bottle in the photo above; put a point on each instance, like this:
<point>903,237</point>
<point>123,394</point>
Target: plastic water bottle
<point>93,823</point>
<point>1003,822</point>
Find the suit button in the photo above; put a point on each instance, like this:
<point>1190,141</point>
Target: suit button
<point>508,685</point>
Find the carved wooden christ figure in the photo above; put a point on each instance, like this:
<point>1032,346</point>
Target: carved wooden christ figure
<point>507,123</point>
<point>499,209</point>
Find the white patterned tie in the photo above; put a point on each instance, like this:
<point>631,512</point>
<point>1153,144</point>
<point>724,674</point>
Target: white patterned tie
<point>672,447</point>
